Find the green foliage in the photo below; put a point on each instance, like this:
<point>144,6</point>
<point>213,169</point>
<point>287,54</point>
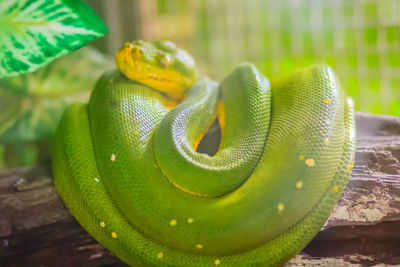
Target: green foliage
<point>31,104</point>
<point>359,39</point>
<point>33,33</point>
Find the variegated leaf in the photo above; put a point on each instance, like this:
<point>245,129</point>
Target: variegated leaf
<point>31,105</point>
<point>35,32</point>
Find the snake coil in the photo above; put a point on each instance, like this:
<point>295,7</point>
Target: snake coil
<point>127,168</point>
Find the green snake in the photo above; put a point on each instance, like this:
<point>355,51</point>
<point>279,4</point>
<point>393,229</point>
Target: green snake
<point>127,168</point>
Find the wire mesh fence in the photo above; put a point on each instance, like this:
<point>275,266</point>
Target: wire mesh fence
<point>360,39</point>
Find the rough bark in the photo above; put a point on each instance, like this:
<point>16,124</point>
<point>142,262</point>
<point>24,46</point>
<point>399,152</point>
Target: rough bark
<point>363,230</point>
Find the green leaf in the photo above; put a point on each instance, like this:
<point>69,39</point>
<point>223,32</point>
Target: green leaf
<point>35,32</point>
<point>31,105</point>
<point>21,154</point>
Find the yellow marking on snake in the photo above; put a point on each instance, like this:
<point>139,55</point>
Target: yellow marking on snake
<point>281,207</point>
<point>349,168</point>
<point>299,184</point>
<point>160,255</point>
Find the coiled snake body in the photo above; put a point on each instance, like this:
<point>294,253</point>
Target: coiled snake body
<point>127,168</point>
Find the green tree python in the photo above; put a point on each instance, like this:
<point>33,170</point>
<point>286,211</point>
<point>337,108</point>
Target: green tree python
<point>127,167</point>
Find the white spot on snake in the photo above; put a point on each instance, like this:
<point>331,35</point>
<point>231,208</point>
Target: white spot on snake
<point>281,207</point>
<point>190,220</point>
<point>160,255</point>
<point>173,222</point>
<point>114,234</point>
<point>199,246</point>
<point>102,224</point>
<point>113,157</point>
<point>299,184</point>
<point>310,162</point>
<point>328,122</point>
<point>97,179</point>
<point>326,141</point>
<point>217,262</point>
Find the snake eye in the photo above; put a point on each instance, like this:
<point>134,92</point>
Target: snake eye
<point>136,51</point>
<point>127,45</point>
<point>165,60</point>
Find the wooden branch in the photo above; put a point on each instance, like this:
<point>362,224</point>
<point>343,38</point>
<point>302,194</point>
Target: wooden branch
<point>37,230</point>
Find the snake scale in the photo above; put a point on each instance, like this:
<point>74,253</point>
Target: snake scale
<point>127,168</point>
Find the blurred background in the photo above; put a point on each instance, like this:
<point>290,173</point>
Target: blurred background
<point>359,39</point>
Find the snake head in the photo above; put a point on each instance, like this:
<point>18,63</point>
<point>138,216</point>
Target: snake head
<point>159,65</point>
